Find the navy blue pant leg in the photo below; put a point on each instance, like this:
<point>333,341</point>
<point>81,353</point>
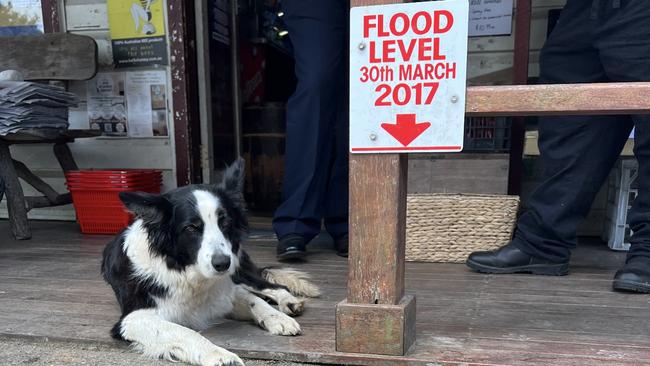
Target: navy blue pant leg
<point>315,181</point>
<point>624,47</point>
<point>577,152</point>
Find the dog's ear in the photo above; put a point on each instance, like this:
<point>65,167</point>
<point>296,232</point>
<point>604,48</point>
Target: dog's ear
<point>146,206</point>
<point>233,178</point>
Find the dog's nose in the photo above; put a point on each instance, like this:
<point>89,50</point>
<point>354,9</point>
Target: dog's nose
<point>221,262</point>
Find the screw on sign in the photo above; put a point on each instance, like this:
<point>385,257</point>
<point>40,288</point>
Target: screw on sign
<point>407,76</point>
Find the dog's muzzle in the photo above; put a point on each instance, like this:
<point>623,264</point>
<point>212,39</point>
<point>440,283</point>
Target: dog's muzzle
<point>221,262</point>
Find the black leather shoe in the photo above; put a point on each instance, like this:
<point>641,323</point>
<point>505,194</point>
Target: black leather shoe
<point>292,246</point>
<point>341,245</point>
<point>509,259</point>
<point>634,276</point>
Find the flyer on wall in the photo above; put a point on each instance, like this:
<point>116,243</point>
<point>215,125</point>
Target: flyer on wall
<point>107,104</point>
<point>147,103</point>
<point>137,30</point>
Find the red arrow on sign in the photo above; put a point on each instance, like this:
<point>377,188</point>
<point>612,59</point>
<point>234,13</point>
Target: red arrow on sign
<point>406,129</point>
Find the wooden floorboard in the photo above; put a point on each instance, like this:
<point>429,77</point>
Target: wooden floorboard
<point>50,287</point>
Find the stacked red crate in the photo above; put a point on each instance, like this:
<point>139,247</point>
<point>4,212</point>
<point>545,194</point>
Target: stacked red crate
<point>95,195</point>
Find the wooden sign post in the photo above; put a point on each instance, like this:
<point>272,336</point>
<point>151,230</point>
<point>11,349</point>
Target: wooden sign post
<point>376,318</point>
<point>407,85</point>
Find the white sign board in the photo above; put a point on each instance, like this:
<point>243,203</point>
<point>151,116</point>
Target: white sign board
<point>407,77</point>
<point>490,17</point>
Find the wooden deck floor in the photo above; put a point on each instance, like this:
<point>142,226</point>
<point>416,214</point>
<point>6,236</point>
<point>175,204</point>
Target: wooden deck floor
<point>50,288</point>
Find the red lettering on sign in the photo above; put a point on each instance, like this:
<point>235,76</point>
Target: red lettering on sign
<point>372,52</point>
<point>399,24</point>
<point>427,22</point>
<point>437,28</point>
<point>406,53</point>
<point>380,30</point>
<point>402,94</point>
<point>428,49</point>
<point>423,47</point>
<point>388,51</point>
<point>437,71</point>
<point>451,70</point>
<point>393,24</point>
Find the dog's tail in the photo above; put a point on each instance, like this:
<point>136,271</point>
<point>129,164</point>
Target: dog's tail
<point>296,281</point>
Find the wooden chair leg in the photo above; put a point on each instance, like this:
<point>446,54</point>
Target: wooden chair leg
<point>35,181</point>
<point>2,189</point>
<point>64,156</point>
<point>15,196</point>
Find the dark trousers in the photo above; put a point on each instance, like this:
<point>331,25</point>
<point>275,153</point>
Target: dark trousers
<point>594,41</point>
<point>315,186</point>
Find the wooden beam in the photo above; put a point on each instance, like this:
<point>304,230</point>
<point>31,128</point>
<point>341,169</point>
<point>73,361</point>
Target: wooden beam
<point>559,99</point>
<point>377,228</point>
<point>187,129</point>
<point>376,317</point>
<point>51,22</point>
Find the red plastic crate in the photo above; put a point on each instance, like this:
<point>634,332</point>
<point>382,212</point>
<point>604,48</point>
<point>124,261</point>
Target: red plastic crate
<point>95,195</point>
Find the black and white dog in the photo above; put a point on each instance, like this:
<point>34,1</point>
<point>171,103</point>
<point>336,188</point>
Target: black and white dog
<point>179,267</point>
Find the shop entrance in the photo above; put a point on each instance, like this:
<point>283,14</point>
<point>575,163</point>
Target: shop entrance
<point>245,115</point>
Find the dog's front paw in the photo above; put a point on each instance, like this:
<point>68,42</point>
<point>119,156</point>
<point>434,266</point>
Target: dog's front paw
<point>221,357</point>
<point>280,324</point>
<point>292,306</point>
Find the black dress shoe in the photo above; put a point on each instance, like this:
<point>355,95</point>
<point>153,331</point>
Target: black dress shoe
<point>509,259</point>
<point>634,276</point>
<point>341,245</point>
<point>292,246</point>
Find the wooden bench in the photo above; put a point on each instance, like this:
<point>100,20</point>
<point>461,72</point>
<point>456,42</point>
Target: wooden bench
<point>377,317</point>
<point>60,57</point>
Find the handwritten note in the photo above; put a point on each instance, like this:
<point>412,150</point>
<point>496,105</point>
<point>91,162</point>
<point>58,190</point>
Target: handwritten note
<point>490,17</point>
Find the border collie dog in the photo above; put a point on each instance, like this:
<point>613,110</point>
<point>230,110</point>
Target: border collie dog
<point>179,268</point>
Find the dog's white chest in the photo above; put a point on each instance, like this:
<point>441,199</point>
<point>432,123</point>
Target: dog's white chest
<point>197,307</point>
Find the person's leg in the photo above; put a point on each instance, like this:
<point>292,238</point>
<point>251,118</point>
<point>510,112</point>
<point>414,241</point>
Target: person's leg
<point>576,152</point>
<point>317,32</point>
<point>337,196</point>
<point>624,45</point>
<point>635,274</point>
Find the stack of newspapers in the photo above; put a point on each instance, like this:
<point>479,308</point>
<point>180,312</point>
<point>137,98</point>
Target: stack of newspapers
<point>27,105</point>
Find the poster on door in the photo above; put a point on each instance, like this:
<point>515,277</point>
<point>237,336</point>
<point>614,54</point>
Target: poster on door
<point>137,30</point>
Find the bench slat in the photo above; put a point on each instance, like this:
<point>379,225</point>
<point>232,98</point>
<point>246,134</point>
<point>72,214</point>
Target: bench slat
<point>559,99</point>
<point>56,56</point>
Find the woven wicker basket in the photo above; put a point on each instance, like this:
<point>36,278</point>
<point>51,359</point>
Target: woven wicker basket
<point>448,227</point>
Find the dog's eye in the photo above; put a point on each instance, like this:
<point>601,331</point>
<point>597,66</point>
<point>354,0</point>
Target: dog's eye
<point>222,219</point>
<point>191,228</point>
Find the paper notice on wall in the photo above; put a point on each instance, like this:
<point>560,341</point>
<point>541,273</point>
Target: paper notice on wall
<point>490,17</point>
<point>106,104</point>
<point>147,101</point>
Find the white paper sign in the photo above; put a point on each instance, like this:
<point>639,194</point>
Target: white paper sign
<point>106,104</point>
<point>407,77</point>
<point>490,17</point>
<point>147,102</point>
